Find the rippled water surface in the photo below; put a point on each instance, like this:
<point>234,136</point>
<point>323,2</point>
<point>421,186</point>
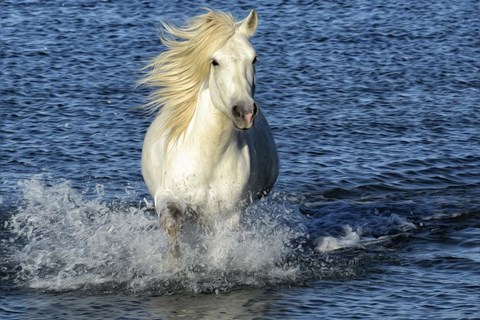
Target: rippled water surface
<point>376,214</point>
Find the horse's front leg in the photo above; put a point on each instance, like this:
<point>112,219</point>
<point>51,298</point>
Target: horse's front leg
<point>171,215</point>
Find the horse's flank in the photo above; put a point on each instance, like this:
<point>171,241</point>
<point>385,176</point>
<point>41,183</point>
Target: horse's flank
<point>179,72</point>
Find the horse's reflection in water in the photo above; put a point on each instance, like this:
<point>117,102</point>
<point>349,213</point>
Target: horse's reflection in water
<point>244,304</point>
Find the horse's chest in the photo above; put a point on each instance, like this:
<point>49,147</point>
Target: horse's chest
<point>216,179</point>
<point>229,178</point>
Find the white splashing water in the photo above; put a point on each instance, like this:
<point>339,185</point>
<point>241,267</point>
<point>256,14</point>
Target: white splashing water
<point>63,240</point>
<point>66,241</point>
<point>354,237</point>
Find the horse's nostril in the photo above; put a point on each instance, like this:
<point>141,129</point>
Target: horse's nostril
<point>255,109</point>
<point>236,112</point>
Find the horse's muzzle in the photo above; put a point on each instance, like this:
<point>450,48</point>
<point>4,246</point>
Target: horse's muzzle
<point>244,115</point>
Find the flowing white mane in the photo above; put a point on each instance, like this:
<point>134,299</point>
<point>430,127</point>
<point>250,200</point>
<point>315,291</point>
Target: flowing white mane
<point>179,72</point>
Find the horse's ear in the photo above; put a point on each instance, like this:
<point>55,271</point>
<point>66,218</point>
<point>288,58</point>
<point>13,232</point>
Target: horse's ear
<point>249,24</point>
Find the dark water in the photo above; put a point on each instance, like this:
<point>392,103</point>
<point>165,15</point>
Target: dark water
<point>376,214</point>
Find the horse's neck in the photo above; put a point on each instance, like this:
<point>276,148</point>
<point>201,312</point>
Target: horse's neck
<point>210,129</point>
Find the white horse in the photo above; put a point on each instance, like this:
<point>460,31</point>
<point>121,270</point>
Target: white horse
<point>210,150</point>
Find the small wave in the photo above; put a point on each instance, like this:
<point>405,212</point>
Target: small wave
<point>330,243</point>
<point>350,239</point>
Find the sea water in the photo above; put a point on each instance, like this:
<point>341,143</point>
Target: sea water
<point>374,108</point>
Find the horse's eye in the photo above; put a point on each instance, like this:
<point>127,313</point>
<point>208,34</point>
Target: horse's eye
<point>254,60</point>
<point>214,63</point>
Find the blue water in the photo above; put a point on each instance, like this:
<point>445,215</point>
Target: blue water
<point>376,214</point>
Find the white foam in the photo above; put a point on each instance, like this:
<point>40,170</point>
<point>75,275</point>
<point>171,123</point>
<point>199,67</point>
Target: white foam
<point>330,243</point>
<point>354,237</point>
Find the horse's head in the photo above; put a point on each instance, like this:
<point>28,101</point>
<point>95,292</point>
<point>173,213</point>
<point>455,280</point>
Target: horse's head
<point>232,75</point>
